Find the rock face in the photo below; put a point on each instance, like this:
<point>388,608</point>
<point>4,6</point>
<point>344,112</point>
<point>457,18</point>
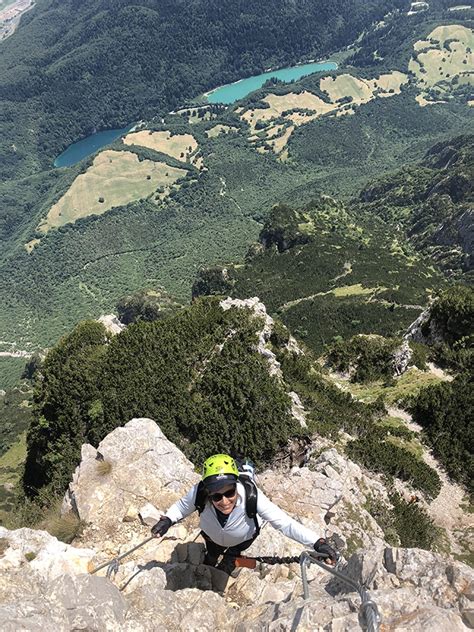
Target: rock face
<point>112,324</point>
<point>401,358</point>
<point>133,465</point>
<point>164,586</point>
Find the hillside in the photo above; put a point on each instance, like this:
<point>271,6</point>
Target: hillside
<point>76,67</point>
<point>213,370</point>
<point>432,203</point>
<point>328,274</point>
<point>194,191</point>
<point>290,274</point>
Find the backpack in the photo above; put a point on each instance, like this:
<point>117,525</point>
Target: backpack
<point>251,493</point>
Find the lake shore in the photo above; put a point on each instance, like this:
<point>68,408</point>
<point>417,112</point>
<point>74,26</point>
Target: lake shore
<point>271,73</point>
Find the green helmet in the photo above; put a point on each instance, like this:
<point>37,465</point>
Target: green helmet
<point>219,470</point>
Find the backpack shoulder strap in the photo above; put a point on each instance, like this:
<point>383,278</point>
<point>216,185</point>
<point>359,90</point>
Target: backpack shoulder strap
<point>200,498</point>
<point>251,494</point>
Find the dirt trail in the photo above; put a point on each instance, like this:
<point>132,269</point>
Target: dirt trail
<point>446,509</point>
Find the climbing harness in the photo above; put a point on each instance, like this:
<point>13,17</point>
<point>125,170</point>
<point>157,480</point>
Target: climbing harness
<point>369,614</point>
<point>113,565</point>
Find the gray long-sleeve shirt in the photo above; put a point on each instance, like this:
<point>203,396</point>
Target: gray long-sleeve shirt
<point>239,527</point>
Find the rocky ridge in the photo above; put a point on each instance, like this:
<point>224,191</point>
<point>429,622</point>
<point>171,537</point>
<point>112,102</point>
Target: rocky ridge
<point>163,585</point>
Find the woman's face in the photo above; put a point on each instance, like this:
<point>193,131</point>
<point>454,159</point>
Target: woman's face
<point>225,498</point>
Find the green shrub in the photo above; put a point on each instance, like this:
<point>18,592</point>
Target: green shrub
<point>450,320</point>
<point>445,411</point>
<point>197,373</point>
<point>419,355</point>
<point>380,455</point>
<point>412,524</point>
<point>404,524</point>
<point>370,358</point>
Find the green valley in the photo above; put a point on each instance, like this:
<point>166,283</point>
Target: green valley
<point>290,271</point>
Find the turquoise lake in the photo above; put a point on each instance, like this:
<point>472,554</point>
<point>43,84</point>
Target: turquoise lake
<point>87,146</point>
<point>234,91</point>
<point>225,94</point>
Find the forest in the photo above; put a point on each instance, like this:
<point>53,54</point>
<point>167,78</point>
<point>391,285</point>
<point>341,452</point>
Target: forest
<point>337,275</point>
<point>74,67</point>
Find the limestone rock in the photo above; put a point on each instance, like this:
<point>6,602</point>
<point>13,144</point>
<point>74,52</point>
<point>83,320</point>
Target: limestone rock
<point>68,602</point>
<point>164,585</point>
<point>401,358</point>
<point>328,495</point>
<point>149,515</point>
<point>41,553</point>
<point>142,466</point>
<point>112,324</point>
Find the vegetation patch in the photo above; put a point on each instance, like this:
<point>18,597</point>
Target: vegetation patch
<point>351,89</point>
<point>11,461</point>
<point>11,370</point>
<point>16,414</point>
<point>115,178</point>
<point>403,387</point>
<point>198,373</point>
<point>444,60</point>
<point>300,108</point>
<point>11,469</point>
<point>65,527</point>
<point>404,524</point>
<point>378,453</point>
<point>366,358</point>
<point>445,411</point>
<point>354,290</point>
<point>178,146</point>
<point>301,267</point>
<point>103,468</point>
<point>220,129</point>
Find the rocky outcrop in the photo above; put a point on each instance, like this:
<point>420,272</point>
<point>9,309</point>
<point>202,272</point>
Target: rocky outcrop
<point>212,281</point>
<point>44,584</point>
<point>112,324</point>
<point>286,228</point>
<point>133,465</point>
<point>264,348</point>
<point>402,358</point>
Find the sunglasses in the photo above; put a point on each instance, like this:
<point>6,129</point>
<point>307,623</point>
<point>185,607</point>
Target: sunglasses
<point>230,493</point>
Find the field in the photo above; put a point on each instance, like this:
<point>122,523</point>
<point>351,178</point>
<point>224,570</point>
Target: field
<point>219,129</point>
<point>343,91</point>
<point>444,59</point>
<point>178,146</point>
<point>115,178</point>
<point>407,385</point>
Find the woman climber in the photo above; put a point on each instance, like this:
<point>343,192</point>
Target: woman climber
<point>231,510</point>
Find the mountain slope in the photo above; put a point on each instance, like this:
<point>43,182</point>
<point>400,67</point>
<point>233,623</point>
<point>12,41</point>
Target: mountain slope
<point>207,372</point>
<point>432,202</point>
<point>59,262</point>
<point>73,67</point>
<point>327,274</point>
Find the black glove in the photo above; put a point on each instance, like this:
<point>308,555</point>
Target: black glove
<point>321,546</point>
<point>161,527</point>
